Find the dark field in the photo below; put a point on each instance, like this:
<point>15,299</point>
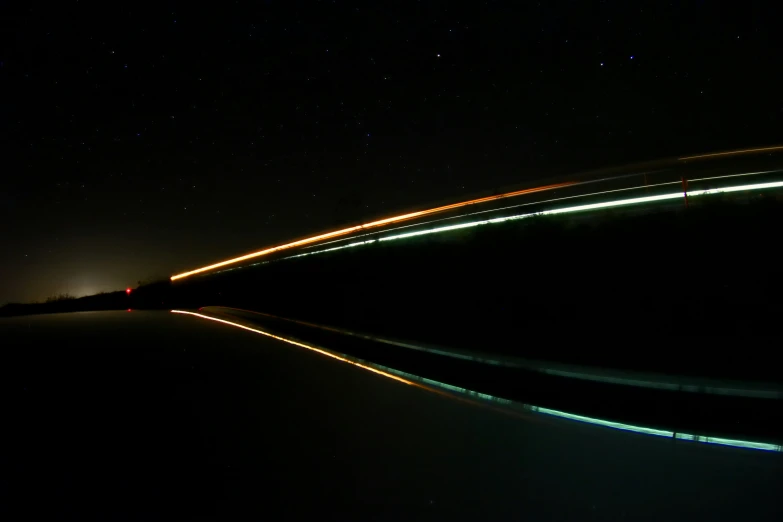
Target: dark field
<point>153,416</point>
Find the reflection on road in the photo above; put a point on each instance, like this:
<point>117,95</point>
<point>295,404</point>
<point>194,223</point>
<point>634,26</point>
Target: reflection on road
<point>431,384</point>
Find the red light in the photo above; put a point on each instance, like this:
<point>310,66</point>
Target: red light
<point>129,309</point>
<point>128,291</point>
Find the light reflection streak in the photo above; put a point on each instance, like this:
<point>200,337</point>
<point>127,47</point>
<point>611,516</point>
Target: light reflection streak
<point>373,224</point>
<point>295,343</point>
<point>427,384</point>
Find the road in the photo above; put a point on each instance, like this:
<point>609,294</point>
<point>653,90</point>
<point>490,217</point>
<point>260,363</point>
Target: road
<point>151,415</point>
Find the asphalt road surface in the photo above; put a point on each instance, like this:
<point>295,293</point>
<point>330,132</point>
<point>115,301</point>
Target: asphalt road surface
<point>158,416</point>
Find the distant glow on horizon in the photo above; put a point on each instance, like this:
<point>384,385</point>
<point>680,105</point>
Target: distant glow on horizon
<point>373,224</point>
<point>732,152</point>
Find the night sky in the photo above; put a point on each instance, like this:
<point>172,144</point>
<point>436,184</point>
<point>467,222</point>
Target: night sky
<point>139,140</point>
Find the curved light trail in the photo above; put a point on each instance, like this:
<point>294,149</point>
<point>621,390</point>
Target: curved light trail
<point>337,235</point>
<point>562,210</point>
<point>509,406</point>
<point>732,152</point>
<point>295,343</point>
<point>514,206</point>
<point>366,226</point>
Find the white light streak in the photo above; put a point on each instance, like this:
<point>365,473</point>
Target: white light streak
<point>564,210</point>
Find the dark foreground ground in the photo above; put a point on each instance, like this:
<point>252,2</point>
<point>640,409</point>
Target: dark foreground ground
<point>154,416</point>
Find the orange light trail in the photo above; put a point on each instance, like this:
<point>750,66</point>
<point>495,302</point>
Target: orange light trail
<point>431,389</point>
<point>745,151</point>
<point>301,345</point>
<point>366,226</point>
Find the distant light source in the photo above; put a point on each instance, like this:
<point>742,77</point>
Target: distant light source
<point>129,309</point>
<point>128,291</point>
